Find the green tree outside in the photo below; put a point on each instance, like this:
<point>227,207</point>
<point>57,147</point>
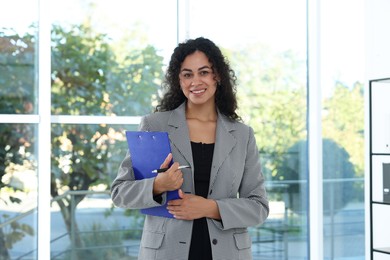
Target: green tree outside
<point>16,140</point>
<point>87,79</point>
<point>91,76</point>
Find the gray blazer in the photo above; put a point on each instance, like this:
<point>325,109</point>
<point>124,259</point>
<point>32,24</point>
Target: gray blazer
<point>236,184</point>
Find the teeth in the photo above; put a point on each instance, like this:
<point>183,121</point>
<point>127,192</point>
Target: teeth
<point>198,91</point>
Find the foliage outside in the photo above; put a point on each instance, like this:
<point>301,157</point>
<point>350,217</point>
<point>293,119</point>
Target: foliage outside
<point>90,77</point>
<point>17,157</point>
<point>88,80</point>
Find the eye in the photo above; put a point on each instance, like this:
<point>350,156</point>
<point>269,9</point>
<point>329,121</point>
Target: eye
<point>186,75</point>
<point>204,72</point>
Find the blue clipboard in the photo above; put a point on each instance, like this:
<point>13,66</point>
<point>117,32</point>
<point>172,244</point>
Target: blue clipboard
<point>148,151</point>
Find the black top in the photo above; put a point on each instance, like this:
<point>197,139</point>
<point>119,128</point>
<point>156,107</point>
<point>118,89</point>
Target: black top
<point>200,241</point>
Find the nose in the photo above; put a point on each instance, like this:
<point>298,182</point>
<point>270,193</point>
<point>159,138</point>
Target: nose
<point>196,81</point>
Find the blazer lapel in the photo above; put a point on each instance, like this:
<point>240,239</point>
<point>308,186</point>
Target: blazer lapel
<point>179,134</point>
<point>224,144</point>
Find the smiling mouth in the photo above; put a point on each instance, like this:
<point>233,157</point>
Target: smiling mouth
<point>198,91</point>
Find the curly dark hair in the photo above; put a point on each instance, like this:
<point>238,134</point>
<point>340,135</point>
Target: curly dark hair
<point>225,96</point>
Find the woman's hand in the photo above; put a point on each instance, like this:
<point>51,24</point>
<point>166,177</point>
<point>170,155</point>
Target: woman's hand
<point>171,179</point>
<point>190,207</point>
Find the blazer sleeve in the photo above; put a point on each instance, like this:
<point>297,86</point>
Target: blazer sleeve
<point>126,192</point>
<point>250,207</point>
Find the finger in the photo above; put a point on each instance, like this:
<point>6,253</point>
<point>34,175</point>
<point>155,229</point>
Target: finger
<point>176,176</point>
<point>174,202</point>
<point>174,168</point>
<point>179,215</point>
<point>167,160</point>
<point>181,181</point>
<point>175,214</point>
<point>181,194</point>
<point>178,184</point>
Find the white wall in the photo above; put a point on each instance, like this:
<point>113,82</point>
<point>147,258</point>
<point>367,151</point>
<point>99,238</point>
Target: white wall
<point>377,66</point>
<point>377,39</point>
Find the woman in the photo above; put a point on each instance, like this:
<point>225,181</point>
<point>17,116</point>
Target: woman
<point>223,192</point>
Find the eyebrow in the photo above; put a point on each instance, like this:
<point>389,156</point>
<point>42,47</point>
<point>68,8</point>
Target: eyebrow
<point>201,68</point>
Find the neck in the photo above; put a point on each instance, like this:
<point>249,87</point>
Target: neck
<point>201,113</point>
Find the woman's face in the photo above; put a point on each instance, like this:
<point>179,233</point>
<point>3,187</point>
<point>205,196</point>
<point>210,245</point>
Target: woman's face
<point>197,79</point>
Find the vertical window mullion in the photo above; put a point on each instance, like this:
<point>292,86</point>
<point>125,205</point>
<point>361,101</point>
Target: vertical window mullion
<point>183,20</point>
<point>316,250</point>
<point>44,126</point>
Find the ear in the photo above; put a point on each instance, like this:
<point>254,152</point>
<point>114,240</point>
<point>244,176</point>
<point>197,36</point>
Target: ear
<point>218,79</point>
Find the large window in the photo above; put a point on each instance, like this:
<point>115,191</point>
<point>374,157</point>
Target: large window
<point>343,129</point>
<point>268,56</point>
<point>18,130</point>
<point>107,63</point>
<point>107,66</point>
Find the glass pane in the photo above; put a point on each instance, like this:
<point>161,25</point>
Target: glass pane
<point>343,128</point>
<point>18,57</point>
<point>108,57</point>
<point>266,46</point>
<point>97,231</point>
<point>85,160</point>
<point>18,189</point>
